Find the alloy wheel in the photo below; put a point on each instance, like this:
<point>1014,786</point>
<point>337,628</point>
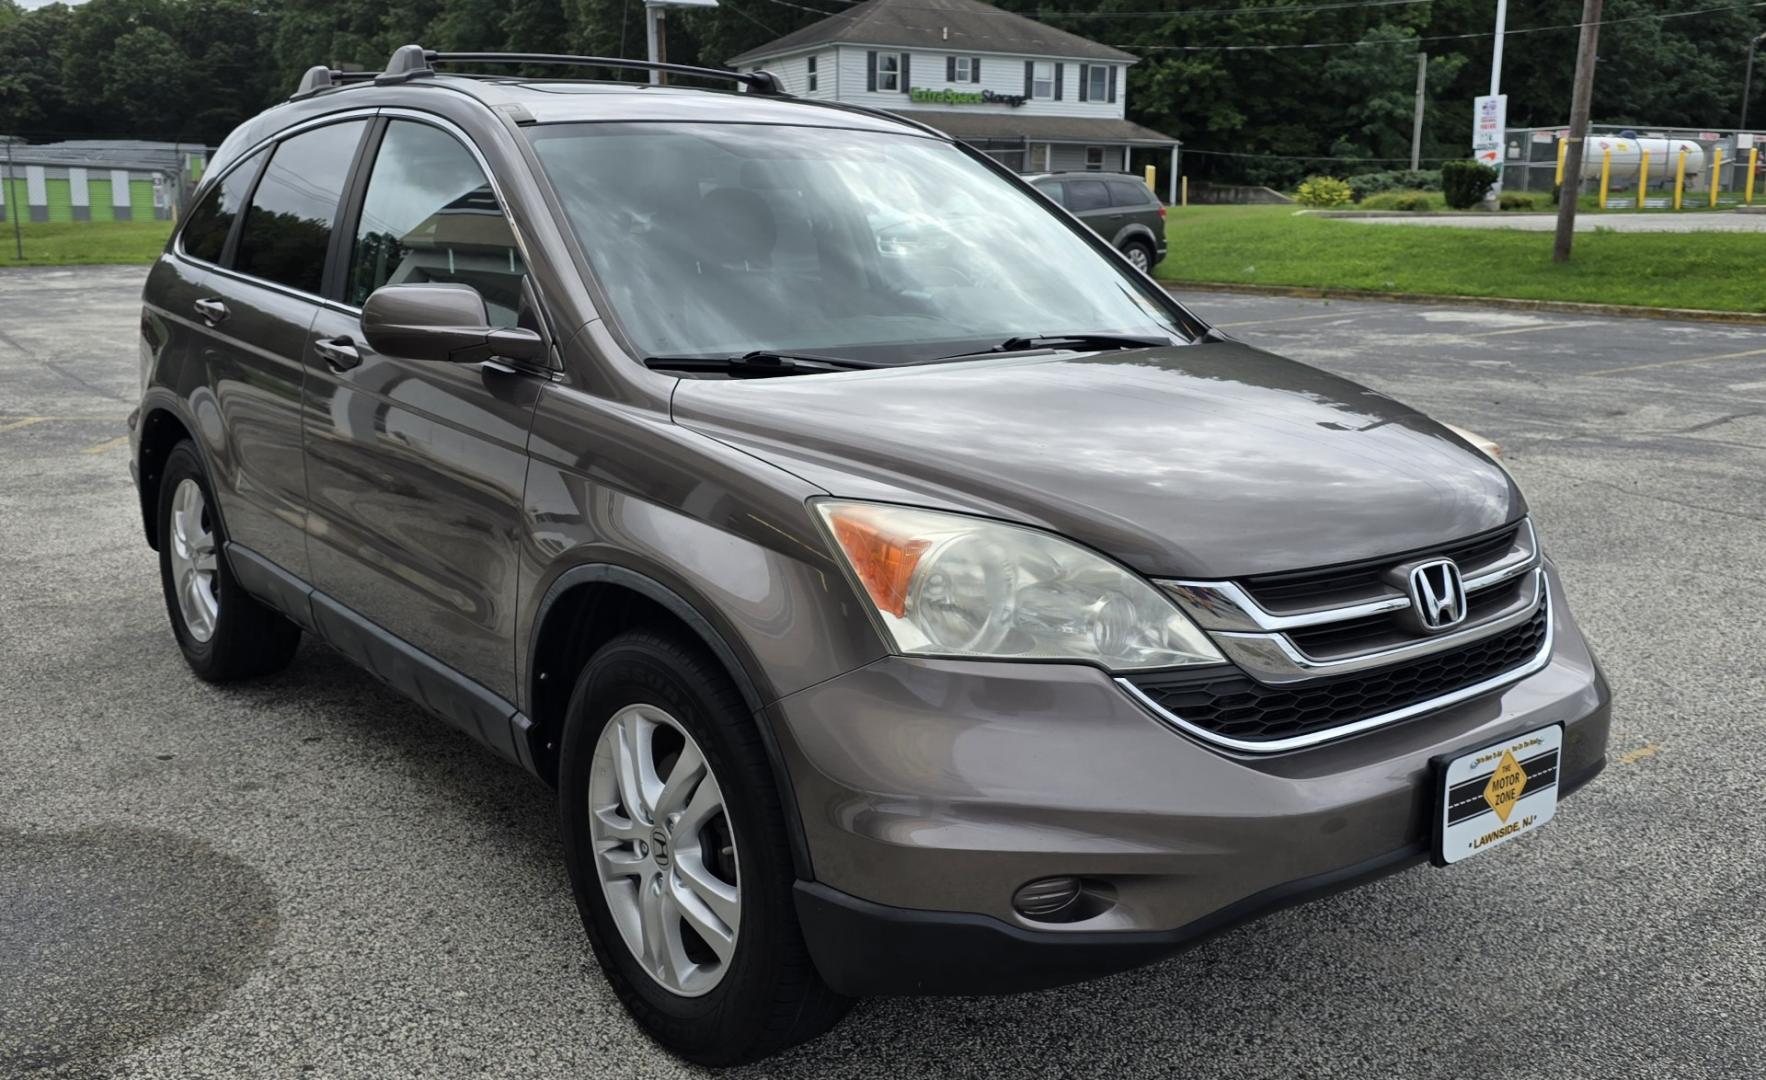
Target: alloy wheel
<point>193,561</point>
<point>664,850</point>
<point>1138,256</point>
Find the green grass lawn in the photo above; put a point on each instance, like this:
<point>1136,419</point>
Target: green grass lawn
<point>84,242</point>
<point>1270,245</point>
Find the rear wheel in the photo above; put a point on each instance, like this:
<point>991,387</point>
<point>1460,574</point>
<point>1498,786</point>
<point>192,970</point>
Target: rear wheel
<point>224,633</point>
<point>1140,254</point>
<point>678,855</point>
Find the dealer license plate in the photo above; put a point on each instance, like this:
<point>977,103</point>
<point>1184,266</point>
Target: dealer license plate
<point>1493,795</point>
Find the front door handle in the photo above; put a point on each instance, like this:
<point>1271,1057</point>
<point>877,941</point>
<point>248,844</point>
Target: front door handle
<point>211,311</point>
<point>340,353</point>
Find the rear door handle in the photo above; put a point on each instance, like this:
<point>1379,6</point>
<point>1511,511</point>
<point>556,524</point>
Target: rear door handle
<point>340,353</point>
<point>211,311</point>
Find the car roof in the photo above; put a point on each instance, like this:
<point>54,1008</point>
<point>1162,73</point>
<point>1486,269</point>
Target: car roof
<point>1084,174</point>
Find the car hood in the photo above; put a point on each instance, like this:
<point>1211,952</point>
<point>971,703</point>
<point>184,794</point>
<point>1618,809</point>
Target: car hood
<point>1207,460</point>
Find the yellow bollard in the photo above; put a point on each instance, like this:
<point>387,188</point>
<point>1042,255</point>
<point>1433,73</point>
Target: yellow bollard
<point>1186,191</point>
<point>1680,181</point>
<point>1563,148</point>
<point>1642,179</point>
<point>1753,164</point>
<point>1153,177</point>
<point>1716,172</point>
<point>1606,174</point>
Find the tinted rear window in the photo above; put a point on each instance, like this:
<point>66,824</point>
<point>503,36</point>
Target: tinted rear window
<point>1129,193</point>
<point>207,227</point>
<point>1086,195</point>
<point>288,225</point>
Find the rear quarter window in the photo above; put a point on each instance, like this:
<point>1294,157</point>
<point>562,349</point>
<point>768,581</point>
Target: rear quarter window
<point>1129,193</point>
<point>211,220</point>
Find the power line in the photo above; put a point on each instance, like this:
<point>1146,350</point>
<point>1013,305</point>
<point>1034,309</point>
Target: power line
<point>1188,150</point>
<point>1412,41</point>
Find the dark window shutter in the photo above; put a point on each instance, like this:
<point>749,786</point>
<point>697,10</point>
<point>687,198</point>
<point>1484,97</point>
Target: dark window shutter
<point>1060,69</point>
<point>950,69</point>
<point>974,69</point>
<point>1112,84</point>
<point>904,73</point>
<point>871,71</point>
<point>1084,81</point>
<point>1029,77</point>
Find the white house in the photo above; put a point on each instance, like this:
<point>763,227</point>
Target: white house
<point>1037,98</point>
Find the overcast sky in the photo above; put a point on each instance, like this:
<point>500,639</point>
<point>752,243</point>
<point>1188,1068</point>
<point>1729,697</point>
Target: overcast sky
<point>27,4</point>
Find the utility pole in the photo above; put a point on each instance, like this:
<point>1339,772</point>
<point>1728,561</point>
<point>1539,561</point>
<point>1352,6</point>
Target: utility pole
<point>12,207</point>
<point>1416,126</point>
<point>1495,89</point>
<point>1747,81</point>
<point>1579,105</point>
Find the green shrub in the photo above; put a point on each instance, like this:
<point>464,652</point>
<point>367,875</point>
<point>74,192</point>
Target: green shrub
<point>1374,183</point>
<point>1322,191</point>
<point>1464,183</point>
<point>1517,200</point>
<point>1413,201</point>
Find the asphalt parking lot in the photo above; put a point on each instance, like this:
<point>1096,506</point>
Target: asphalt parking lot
<point>308,877</point>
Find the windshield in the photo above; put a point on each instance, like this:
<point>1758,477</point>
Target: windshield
<point>723,239</point>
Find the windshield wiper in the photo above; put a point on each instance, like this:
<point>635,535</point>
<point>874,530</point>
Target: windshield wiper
<point>1082,341</point>
<point>759,363</point>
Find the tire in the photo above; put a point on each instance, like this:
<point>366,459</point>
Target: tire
<point>1140,253</point>
<point>761,993</point>
<point>224,633</point>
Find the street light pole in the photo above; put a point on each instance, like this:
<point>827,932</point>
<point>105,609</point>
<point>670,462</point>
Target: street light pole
<point>1747,81</point>
<point>1495,89</point>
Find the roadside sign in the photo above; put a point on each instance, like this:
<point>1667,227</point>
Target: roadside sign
<point>1489,117</point>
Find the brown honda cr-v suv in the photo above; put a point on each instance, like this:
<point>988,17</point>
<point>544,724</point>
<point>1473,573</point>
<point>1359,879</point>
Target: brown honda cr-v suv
<point>903,593</point>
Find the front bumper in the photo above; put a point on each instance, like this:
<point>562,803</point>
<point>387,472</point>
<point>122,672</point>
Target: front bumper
<point>929,791</point>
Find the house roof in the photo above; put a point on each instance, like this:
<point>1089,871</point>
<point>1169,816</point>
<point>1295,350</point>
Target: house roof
<point>1013,125</point>
<point>943,25</point>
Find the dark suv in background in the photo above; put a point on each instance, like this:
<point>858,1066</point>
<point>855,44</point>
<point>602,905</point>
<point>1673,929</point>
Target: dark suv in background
<point>902,593</point>
<point>1117,206</point>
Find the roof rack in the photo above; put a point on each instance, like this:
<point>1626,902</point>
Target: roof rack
<point>320,77</point>
<point>414,61</point>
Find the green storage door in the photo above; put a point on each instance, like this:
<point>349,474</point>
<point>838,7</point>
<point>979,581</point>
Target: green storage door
<point>61,199</point>
<point>99,192</point>
<point>141,199</point>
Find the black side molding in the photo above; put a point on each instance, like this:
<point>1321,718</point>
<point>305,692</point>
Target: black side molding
<point>462,702</point>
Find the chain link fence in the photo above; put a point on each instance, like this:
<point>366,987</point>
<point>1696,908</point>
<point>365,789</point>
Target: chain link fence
<point>1729,159</point>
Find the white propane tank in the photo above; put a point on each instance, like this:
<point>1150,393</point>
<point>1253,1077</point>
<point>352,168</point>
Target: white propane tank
<point>1664,157</point>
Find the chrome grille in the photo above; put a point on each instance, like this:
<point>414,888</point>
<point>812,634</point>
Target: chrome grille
<point>1292,634</point>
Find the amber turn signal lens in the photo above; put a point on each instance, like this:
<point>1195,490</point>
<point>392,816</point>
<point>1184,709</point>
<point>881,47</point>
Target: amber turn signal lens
<point>883,560</point>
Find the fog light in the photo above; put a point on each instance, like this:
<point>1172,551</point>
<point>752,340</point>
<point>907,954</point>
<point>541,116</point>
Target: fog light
<point>1045,897</point>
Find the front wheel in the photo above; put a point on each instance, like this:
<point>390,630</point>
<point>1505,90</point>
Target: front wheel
<point>678,855</point>
<point>224,632</point>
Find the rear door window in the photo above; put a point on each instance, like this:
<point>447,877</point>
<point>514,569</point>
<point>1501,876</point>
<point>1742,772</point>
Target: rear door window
<point>1129,193</point>
<point>430,215</point>
<point>288,224</point>
<point>1083,195</point>
<point>211,221</point>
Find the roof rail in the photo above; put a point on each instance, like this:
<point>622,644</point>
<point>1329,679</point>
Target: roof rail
<point>413,61</point>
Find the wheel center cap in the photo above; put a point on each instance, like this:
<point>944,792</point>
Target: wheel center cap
<point>659,847</point>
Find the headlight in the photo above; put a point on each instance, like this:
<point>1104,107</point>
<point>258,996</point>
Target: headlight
<point>950,585</point>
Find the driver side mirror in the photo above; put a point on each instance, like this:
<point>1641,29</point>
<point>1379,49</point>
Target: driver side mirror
<point>442,322</point>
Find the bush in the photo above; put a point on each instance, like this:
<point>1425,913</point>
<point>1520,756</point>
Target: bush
<point>1464,183</point>
<point>1360,187</point>
<point>1413,201</point>
<point>1322,191</point>
<point>1517,200</point>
